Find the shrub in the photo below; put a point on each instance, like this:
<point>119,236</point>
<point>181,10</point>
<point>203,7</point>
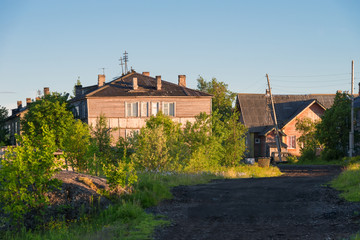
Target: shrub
<point>26,174</point>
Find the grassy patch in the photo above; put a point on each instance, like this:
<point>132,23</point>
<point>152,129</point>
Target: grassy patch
<point>127,219</point>
<point>119,221</point>
<point>349,183</point>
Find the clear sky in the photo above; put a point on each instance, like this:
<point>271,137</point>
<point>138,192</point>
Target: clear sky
<point>305,46</point>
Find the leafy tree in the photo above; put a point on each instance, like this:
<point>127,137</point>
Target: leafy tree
<point>234,140</point>
<point>308,139</point>
<point>158,147</point>
<point>78,83</point>
<point>223,98</point>
<point>333,130</point>
<point>76,143</point>
<point>51,111</point>
<point>4,140</point>
<point>27,173</point>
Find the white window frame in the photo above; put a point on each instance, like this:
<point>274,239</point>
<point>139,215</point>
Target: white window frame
<point>155,105</point>
<point>291,142</point>
<point>130,132</point>
<point>144,106</point>
<point>166,108</point>
<point>132,113</point>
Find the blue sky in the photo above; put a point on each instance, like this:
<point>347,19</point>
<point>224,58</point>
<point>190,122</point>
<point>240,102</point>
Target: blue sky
<point>304,46</point>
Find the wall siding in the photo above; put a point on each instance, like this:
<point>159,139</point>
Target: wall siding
<point>314,112</point>
<point>186,108</point>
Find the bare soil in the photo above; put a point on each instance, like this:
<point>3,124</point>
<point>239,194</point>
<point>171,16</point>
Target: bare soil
<point>297,205</point>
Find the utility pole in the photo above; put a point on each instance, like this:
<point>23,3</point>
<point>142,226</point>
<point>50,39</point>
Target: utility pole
<point>277,137</point>
<point>351,136</point>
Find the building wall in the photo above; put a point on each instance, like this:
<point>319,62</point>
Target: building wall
<point>113,108</point>
<point>314,112</point>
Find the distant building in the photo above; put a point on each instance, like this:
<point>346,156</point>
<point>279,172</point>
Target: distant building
<point>13,121</point>
<point>128,101</point>
<point>256,114</point>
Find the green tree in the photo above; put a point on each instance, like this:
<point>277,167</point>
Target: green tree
<point>158,146</point>
<point>76,143</point>
<point>308,140</point>
<point>78,83</point>
<point>51,111</point>
<point>234,140</point>
<point>26,174</point>
<point>4,140</point>
<point>223,98</point>
<point>333,130</point>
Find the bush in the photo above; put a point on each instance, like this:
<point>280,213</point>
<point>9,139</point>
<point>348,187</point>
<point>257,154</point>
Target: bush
<point>26,175</point>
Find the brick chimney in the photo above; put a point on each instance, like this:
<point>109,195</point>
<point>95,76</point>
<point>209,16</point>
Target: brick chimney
<point>101,80</point>
<point>146,73</point>
<point>28,101</point>
<point>158,82</point>
<point>182,80</point>
<point>46,91</point>
<point>78,90</point>
<point>19,104</point>
<point>135,83</point>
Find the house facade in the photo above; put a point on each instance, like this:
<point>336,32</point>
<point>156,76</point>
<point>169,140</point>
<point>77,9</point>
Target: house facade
<point>128,101</point>
<point>256,114</point>
<point>13,122</point>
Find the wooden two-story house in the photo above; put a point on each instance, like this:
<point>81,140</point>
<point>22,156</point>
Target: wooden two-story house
<point>128,101</point>
<point>256,114</point>
<point>12,123</point>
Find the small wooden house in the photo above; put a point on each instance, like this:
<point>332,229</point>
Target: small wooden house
<point>256,115</point>
<point>128,101</point>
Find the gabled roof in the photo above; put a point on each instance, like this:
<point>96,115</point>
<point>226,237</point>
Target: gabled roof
<point>122,86</point>
<point>256,111</point>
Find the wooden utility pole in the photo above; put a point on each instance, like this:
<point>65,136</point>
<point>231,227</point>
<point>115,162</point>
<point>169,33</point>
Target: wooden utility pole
<point>277,137</point>
<point>351,136</point>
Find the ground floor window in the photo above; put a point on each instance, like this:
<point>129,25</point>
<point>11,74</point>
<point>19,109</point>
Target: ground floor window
<point>291,142</point>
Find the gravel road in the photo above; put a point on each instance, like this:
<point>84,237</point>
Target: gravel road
<point>298,205</point>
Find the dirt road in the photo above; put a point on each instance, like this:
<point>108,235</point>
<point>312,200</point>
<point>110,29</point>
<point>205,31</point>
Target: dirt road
<point>297,205</point>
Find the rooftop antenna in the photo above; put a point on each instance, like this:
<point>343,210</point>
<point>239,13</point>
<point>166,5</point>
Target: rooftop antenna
<point>126,59</point>
<point>103,70</point>
<point>122,64</point>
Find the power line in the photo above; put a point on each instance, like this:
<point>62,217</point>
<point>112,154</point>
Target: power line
<point>306,76</point>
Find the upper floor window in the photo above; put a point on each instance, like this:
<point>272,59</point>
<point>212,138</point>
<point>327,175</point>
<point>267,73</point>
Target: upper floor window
<point>169,109</point>
<point>144,109</point>
<point>291,142</point>
<point>155,106</point>
<point>132,109</point>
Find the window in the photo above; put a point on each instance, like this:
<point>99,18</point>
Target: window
<point>169,109</point>
<point>131,132</point>
<point>76,111</point>
<point>144,109</point>
<point>132,109</point>
<point>291,142</point>
<point>155,108</point>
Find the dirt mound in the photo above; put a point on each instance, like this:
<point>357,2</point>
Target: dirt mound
<point>78,194</point>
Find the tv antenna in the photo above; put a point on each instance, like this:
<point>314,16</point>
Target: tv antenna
<point>122,64</point>
<point>103,69</point>
<point>126,60</point>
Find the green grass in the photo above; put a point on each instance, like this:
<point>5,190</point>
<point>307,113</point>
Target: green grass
<point>348,182</point>
<point>127,219</point>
